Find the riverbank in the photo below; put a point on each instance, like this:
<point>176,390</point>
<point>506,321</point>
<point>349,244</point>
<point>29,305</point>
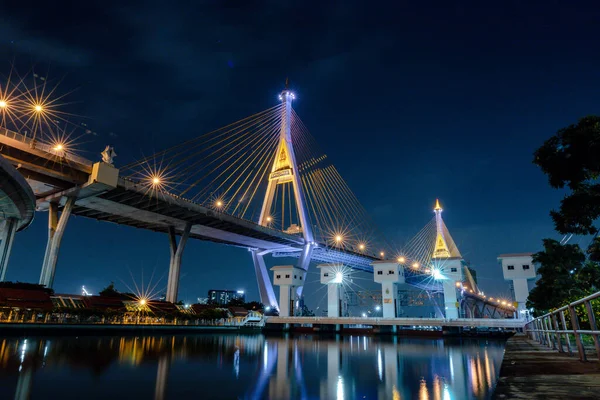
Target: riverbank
<point>533,371</point>
<point>25,329</point>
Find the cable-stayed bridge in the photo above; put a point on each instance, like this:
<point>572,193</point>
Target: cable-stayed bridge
<point>261,183</point>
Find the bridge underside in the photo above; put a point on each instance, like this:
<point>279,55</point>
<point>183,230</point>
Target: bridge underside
<point>133,205</point>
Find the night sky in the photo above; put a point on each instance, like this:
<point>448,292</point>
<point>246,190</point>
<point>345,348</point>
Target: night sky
<point>411,101</point>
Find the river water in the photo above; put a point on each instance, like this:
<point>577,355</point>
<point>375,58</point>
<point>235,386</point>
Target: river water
<point>211,366</point>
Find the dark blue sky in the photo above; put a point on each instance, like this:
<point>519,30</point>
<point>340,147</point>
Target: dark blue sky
<point>411,101</point>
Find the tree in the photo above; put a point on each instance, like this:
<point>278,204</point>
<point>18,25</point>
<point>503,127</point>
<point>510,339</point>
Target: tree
<point>565,276</point>
<point>571,158</point>
<point>254,306</point>
<point>236,303</point>
<point>110,291</point>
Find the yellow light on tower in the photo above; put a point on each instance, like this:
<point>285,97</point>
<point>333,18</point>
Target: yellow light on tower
<point>219,203</point>
<point>338,238</point>
<point>269,219</point>
<point>155,180</point>
<point>3,104</point>
<point>361,246</point>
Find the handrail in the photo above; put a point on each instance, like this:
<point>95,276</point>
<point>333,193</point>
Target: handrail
<point>547,328</point>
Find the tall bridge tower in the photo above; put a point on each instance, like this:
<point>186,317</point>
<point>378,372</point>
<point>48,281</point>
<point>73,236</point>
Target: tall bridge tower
<point>449,260</point>
<point>284,171</point>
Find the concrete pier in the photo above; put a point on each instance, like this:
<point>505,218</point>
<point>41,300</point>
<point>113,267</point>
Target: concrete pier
<point>533,371</point>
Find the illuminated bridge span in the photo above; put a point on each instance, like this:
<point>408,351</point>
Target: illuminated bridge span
<point>261,183</point>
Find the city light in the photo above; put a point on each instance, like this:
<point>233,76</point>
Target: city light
<point>269,219</point>
<point>458,284</point>
<point>436,273</point>
<point>415,265</point>
<point>143,302</point>
<point>361,246</point>
<point>381,253</point>
<point>267,308</point>
<point>338,238</point>
<point>219,203</point>
<point>377,308</point>
<point>401,259</point>
<point>38,108</point>
<point>156,180</point>
<point>3,104</point>
<point>339,277</point>
<point>364,315</point>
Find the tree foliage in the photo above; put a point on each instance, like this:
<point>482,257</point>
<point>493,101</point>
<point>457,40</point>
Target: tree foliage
<point>566,276</point>
<point>571,158</point>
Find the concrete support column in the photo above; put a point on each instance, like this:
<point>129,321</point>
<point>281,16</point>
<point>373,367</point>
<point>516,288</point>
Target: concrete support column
<point>265,288</point>
<point>333,300</point>
<point>389,296</point>
<point>521,289</point>
<point>7,237</point>
<point>450,299</point>
<point>175,265</point>
<point>56,229</point>
<point>285,301</point>
<point>288,278</point>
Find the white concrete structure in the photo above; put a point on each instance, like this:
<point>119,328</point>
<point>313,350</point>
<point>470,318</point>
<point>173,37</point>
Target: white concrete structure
<point>288,278</point>
<point>332,275</point>
<point>518,268</point>
<point>450,272</point>
<point>388,274</point>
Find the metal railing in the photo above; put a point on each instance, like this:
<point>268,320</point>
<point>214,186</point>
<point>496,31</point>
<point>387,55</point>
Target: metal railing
<point>550,329</point>
<point>46,147</point>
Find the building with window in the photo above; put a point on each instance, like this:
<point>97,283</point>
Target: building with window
<point>223,297</point>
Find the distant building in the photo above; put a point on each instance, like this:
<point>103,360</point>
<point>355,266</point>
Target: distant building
<point>222,297</point>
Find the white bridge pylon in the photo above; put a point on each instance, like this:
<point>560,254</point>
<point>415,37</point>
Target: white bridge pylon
<point>284,171</point>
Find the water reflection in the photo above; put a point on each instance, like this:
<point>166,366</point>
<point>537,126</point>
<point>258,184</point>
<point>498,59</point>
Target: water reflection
<point>247,367</point>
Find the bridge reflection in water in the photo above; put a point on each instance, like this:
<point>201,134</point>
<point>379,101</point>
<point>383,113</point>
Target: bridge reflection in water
<point>247,367</point>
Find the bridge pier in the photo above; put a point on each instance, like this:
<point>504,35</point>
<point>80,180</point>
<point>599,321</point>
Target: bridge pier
<point>388,274</point>
<point>56,229</point>
<point>332,275</point>
<point>265,288</point>
<point>175,265</point>
<point>288,278</point>
<point>7,237</point>
<point>452,271</point>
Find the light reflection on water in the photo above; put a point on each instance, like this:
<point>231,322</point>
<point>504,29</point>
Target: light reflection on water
<point>248,367</point>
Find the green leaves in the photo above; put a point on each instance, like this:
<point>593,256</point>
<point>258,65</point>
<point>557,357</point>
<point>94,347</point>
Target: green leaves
<point>565,276</point>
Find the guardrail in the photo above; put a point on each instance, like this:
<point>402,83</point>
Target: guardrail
<point>551,328</point>
<point>46,147</point>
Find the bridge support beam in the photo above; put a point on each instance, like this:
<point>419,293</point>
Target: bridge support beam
<point>7,237</point>
<point>265,288</point>
<point>288,278</point>
<point>175,265</point>
<point>56,229</point>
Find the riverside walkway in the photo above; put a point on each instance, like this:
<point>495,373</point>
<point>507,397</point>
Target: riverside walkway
<point>533,371</point>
